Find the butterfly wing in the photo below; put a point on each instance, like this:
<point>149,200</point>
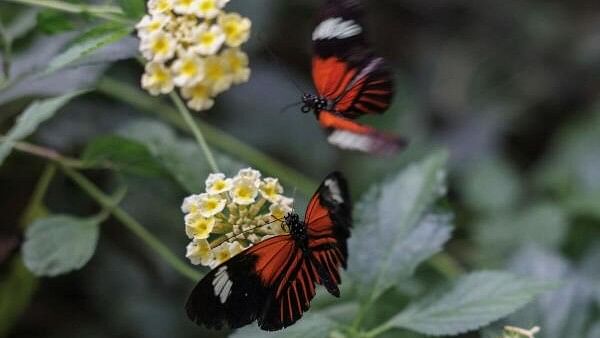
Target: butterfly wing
<point>351,135</point>
<point>329,219</point>
<point>344,68</point>
<point>271,282</point>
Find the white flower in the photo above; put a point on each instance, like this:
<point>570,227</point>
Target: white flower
<point>250,174</point>
<point>236,28</point>
<point>188,70</point>
<point>199,252</point>
<point>209,9</point>
<point>235,248</point>
<point>217,184</point>
<point>209,205</point>
<point>199,227</point>
<point>207,40</point>
<point>190,204</point>
<point>158,46</point>
<point>157,79</point>
<point>151,24</point>
<point>279,211</point>
<point>244,191</point>
<point>185,7</point>
<point>270,189</point>
<point>237,64</point>
<point>199,96</point>
<point>160,6</point>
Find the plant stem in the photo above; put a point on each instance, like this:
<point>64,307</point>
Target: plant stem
<point>216,137</point>
<point>7,56</point>
<point>377,331</point>
<point>129,222</point>
<point>111,13</point>
<point>36,203</point>
<point>189,120</point>
<point>49,154</point>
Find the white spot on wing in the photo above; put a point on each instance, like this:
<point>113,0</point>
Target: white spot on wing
<point>334,188</point>
<point>336,28</point>
<point>348,140</point>
<point>222,285</point>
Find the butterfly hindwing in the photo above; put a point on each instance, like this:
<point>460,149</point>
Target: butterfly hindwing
<point>351,135</point>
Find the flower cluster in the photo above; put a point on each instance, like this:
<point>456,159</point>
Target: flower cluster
<point>193,45</point>
<point>232,215</point>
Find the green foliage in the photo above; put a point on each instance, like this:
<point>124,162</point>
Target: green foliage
<point>52,22</point>
<point>473,302</point>
<point>396,229</point>
<point>312,325</point>
<point>134,9</point>
<point>16,289</point>
<point>181,158</point>
<point>30,119</point>
<point>59,244</point>
<point>87,43</point>
<point>121,154</point>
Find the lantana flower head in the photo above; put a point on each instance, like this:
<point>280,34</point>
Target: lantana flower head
<point>195,44</point>
<point>233,214</point>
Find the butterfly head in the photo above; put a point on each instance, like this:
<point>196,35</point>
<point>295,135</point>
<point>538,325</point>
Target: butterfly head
<point>296,227</point>
<point>314,103</point>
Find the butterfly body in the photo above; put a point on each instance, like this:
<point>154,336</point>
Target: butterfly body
<point>274,281</point>
<point>350,81</point>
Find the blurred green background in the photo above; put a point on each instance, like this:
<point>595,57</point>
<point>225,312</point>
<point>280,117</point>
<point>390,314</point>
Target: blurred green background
<point>511,88</point>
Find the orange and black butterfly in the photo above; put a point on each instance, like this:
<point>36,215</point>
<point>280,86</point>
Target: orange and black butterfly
<point>350,81</point>
<point>274,281</point>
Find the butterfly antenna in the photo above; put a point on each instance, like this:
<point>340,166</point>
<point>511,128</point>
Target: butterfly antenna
<point>280,65</point>
<point>228,239</point>
<point>286,108</point>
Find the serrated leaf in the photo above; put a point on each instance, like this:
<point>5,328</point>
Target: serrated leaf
<point>311,325</point>
<point>474,301</point>
<point>88,43</point>
<point>30,119</point>
<point>133,9</point>
<point>182,158</point>
<point>394,229</point>
<point>121,154</point>
<point>59,244</point>
<point>16,288</point>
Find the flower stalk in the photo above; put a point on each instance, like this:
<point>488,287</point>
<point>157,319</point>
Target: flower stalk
<point>111,13</point>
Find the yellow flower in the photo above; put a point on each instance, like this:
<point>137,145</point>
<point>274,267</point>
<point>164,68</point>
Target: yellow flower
<point>199,227</point>
<point>190,204</point>
<point>209,9</point>
<point>279,211</point>
<point>158,46</point>
<point>237,64</point>
<point>244,191</point>
<point>198,96</point>
<point>157,79</point>
<point>151,24</point>
<point>217,76</point>
<point>188,70</point>
<point>222,254</point>
<point>270,189</point>
<point>160,6</point>
<point>209,206</point>
<point>217,184</point>
<point>207,40</point>
<point>236,28</point>
<point>199,252</point>
<point>185,7</point>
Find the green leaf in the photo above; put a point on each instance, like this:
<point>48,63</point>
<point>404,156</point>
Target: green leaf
<point>121,154</point>
<point>474,301</point>
<point>87,43</point>
<point>30,119</point>
<point>133,9</point>
<point>16,288</point>
<point>59,244</point>
<point>182,158</point>
<point>51,21</point>
<point>395,229</point>
<point>311,325</point>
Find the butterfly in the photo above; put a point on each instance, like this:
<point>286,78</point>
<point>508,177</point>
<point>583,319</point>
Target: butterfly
<point>274,281</point>
<point>350,81</point>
